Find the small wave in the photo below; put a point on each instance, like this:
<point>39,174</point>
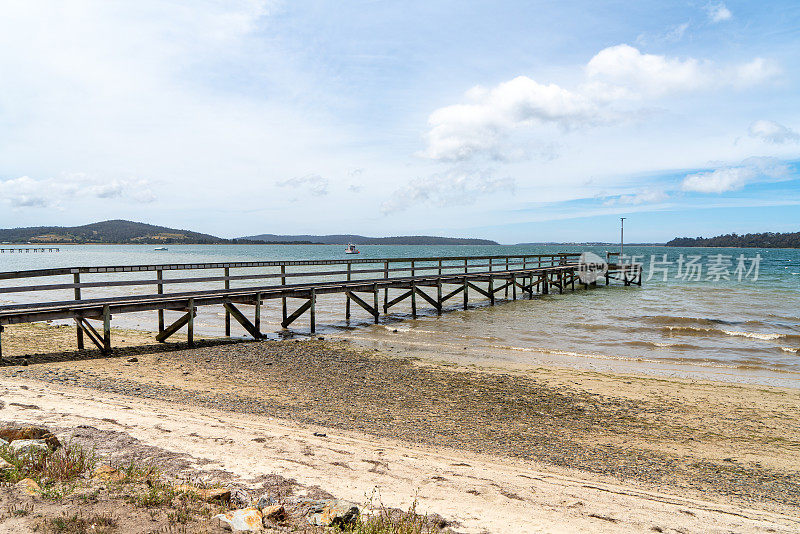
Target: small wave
<point>678,320</point>
<point>791,350</point>
<point>696,330</point>
<point>652,344</point>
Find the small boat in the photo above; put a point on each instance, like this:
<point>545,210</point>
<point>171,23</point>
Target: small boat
<point>161,248</point>
<point>351,249</point>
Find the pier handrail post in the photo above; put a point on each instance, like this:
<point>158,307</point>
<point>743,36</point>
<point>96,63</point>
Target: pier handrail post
<point>440,267</point>
<point>346,297</point>
<point>76,278</point>
<point>385,289</point>
<point>375,300</point>
<point>466,297</point>
<point>283,283</point>
<point>506,290</point>
<point>413,299</point>
<point>227,313</point>
<point>313,311</point>
<point>106,329</point>
<point>190,325</point>
<point>160,278</point>
<point>257,323</point>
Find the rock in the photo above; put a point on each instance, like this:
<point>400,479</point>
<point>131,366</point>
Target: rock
<point>4,466</point>
<point>275,512</point>
<point>333,514</point>
<point>106,472</point>
<point>133,360</point>
<point>14,432</point>
<point>206,494</point>
<point>29,446</point>
<point>240,498</point>
<point>29,486</point>
<point>244,520</point>
<point>265,501</point>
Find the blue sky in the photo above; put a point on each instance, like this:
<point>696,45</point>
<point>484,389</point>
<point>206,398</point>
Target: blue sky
<point>516,121</point>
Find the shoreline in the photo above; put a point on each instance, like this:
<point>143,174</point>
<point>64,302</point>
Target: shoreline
<point>733,444</point>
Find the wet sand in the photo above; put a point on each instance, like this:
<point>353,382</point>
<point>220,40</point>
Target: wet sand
<point>733,445</point>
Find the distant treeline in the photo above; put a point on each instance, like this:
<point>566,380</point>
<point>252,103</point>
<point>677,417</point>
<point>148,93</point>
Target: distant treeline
<point>765,240</point>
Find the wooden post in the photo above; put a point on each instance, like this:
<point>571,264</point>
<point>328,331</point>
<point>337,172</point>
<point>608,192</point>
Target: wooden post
<point>160,278</point>
<point>313,310</point>
<point>560,282</point>
<point>466,270</point>
<point>76,278</point>
<point>413,269</point>
<point>545,288</point>
<point>439,296</point>
<point>190,325</point>
<point>440,267</point>
<point>227,313</point>
<point>283,283</point>
<point>106,329</point>
<point>514,286</point>
<point>258,312</point>
<point>506,290</point>
<point>413,299</point>
<point>385,289</point>
<point>466,298</point>
<point>491,290</point>
<point>375,303</point>
<point>347,299</point>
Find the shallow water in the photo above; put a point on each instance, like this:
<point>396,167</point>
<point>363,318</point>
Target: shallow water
<point>742,330</point>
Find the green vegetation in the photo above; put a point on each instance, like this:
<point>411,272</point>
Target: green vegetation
<point>388,521</point>
<point>107,232</point>
<point>765,240</point>
<point>51,470</point>
<point>77,524</point>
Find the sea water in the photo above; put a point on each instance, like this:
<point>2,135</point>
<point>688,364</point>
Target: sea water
<point>730,314</point>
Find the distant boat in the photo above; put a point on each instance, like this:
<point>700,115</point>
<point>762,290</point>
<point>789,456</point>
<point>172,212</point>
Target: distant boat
<point>161,248</point>
<point>351,249</point>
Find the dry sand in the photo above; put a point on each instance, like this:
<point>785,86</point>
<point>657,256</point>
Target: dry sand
<point>669,455</point>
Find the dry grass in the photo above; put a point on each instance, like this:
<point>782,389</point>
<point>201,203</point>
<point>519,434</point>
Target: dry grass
<point>49,469</point>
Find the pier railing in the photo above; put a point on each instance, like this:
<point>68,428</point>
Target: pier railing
<point>104,290</point>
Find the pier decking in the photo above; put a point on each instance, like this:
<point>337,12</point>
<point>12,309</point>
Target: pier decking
<point>361,281</point>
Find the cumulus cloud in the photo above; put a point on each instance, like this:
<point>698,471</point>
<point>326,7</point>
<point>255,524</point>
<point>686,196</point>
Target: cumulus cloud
<point>452,188</point>
<point>27,192</point>
<point>718,12</point>
<point>732,178</point>
<point>459,131</point>
<point>772,132</point>
<point>614,78</point>
<point>314,184</point>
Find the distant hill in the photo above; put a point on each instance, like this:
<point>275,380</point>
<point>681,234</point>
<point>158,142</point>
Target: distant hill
<point>765,240</point>
<point>107,232</point>
<point>343,239</point>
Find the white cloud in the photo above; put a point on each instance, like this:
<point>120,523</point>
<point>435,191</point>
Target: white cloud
<point>26,192</point>
<point>314,184</point>
<point>733,178</point>
<point>649,75</point>
<point>718,12</point>
<point>648,196</point>
<point>460,131</point>
<point>615,78</point>
<point>772,132</point>
<point>453,188</point>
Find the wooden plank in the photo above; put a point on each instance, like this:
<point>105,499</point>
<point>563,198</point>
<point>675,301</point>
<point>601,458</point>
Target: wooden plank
<point>190,324</point>
<point>91,333</point>
<point>227,312</point>
<point>312,313</point>
<point>242,320</point>
<point>360,302</point>
<point>452,294</point>
<point>106,329</point>
<point>397,299</point>
<point>171,329</point>
<point>480,290</point>
<point>297,313</point>
<point>428,298</point>
<point>76,278</point>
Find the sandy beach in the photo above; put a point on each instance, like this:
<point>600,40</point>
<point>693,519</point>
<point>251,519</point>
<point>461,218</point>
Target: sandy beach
<point>537,450</point>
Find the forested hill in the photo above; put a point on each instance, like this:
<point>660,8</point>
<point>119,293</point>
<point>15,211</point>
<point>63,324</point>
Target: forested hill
<point>106,232</point>
<point>765,240</point>
<point>343,239</point>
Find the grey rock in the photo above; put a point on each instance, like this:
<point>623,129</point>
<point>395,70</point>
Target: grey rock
<point>240,498</point>
<point>333,514</point>
<point>29,445</point>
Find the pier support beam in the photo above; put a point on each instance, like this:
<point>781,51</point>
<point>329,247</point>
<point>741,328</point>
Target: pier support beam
<point>160,278</point>
<point>244,321</point>
<point>358,300</point>
<point>106,329</point>
<point>190,324</point>
<point>227,313</point>
<point>171,329</point>
<point>76,278</point>
<point>297,313</point>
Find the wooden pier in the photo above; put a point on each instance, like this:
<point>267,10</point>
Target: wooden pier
<point>433,281</point>
<point>28,249</point>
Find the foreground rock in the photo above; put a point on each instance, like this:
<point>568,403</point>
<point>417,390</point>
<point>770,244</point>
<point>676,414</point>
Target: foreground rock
<point>333,514</point>
<point>245,520</point>
<point>11,433</point>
